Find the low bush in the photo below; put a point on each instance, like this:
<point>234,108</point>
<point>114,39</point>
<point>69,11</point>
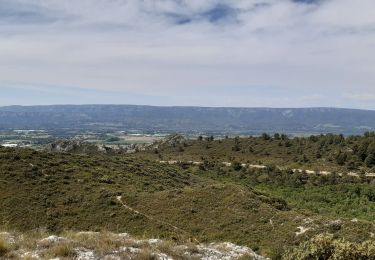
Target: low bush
<point>325,247</point>
<point>4,247</point>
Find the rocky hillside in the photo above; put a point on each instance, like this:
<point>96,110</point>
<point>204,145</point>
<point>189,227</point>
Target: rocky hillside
<point>75,146</point>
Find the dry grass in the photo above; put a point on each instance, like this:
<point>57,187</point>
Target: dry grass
<point>146,255</point>
<point>5,247</point>
<point>176,251</point>
<point>39,244</point>
<point>246,257</point>
<point>103,242</point>
<point>30,240</point>
<point>167,247</point>
<point>192,248</point>
<point>62,249</point>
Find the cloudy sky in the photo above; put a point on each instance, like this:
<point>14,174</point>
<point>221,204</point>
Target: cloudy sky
<point>274,53</point>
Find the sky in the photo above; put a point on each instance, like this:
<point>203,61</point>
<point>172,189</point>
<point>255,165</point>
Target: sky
<point>238,53</point>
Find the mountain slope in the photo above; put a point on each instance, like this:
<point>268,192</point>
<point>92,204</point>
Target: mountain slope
<point>189,119</point>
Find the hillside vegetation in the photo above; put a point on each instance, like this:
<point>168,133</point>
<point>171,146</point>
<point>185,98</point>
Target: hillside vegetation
<point>271,210</point>
<point>323,152</point>
<point>336,192</point>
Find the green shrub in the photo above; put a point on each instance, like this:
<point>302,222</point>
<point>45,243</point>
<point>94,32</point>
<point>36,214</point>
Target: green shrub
<point>325,247</point>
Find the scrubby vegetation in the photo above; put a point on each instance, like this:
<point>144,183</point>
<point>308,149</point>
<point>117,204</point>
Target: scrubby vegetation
<point>328,152</point>
<point>270,209</point>
<point>326,247</point>
<point>338,192</point>
<point>333,195</point>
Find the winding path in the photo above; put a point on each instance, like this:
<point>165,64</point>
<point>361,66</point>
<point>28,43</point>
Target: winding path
<point>119,199</point>
<point>258,166</point>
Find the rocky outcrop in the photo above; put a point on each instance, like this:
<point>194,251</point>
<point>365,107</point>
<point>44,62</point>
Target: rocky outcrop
<point>118,246</point>
<point>81,147</point>
<point>71,146</point>
<point>171,141</point>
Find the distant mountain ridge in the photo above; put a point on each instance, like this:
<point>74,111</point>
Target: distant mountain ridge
<point>188,119</point>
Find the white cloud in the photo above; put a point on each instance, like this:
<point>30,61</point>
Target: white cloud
<point>182,47</point>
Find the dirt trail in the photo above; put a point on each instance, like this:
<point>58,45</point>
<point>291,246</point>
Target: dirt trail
<point>258,166</point>
<point>119,199</point>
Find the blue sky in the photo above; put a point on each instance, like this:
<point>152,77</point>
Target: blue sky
<point>274,53</point>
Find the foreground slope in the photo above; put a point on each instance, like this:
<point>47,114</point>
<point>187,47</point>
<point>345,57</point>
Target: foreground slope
<point>145,198</point>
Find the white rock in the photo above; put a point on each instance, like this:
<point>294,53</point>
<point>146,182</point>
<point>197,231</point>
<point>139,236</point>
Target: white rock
<point>153,241</point>
<point>8,237</point>
<point>32,255</point>
<point>225,251</point>
<point>84,254</point>
<point>123,235</point>
<point>132,250</point>
<point>162,256</point>
<point>52,239</point>
<point>302,230</point>
<point>257,166</point>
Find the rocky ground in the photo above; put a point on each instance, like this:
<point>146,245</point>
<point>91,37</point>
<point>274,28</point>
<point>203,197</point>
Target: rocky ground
<point>104,245</point>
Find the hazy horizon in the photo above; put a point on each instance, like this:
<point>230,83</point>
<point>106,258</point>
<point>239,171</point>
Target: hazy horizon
<point>182,106</point>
